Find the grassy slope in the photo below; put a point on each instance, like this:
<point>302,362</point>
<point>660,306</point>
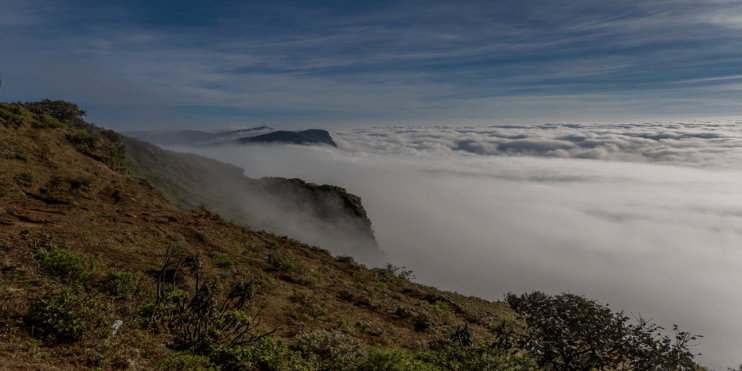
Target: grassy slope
<point>51,194</point>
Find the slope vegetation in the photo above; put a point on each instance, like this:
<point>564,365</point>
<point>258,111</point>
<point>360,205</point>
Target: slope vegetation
<point>99,271</point>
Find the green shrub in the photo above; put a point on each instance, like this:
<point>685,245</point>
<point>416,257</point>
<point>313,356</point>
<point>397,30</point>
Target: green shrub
<point>288,265</point>
<point>393,360</point>
<point>263,355</point>
<point>443,309</point>
<point>178,361</point>
<point>570,332</point>
<point>121,285</point>
<point>389,272</point>
<point>204,322</point>
<point>349,261</point>
<point>64,264</point>
<point>63,316</point>
<point>229,262</point>
<point>13,115</point>
<point>461,351</point>
<point>66,112</point>
<point>334,350</point>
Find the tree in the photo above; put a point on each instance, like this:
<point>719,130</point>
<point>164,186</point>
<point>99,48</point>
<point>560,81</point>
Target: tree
<point>66,112</point>
<point>568,332</point>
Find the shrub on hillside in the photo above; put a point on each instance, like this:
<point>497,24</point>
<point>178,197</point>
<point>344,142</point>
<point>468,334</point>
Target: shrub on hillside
<point>182,361</point>
<point>460,350</point>
<point>63,316</point>
<point>15,115</point>
<point>66,112</point>
<point>393,360</point>
<point>333,350</point>
<point>568,332</point>
<point>64,264</point>
<point>206,323</point>
<point>100,144</point>
<point>263,355</point>
<point>121,285</point>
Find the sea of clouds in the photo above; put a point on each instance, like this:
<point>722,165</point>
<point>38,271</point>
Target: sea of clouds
<point>646,217</point>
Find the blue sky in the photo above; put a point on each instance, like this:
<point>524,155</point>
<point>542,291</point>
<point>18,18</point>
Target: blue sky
<point>189,64</point>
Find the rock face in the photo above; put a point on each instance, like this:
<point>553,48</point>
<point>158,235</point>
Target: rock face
<point>344,220</point>
<point>311,136</point>
<point>262,134</point>
<point>322,215</point>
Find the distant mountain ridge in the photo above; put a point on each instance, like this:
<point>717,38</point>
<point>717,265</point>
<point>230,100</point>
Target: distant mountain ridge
<point>311,136</point>
<point>260,134</point>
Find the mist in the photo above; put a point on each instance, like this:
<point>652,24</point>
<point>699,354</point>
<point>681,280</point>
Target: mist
<point>647,218</point>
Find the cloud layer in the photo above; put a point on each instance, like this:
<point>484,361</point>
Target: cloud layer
<point>699,144</point>
<point>645,217</point>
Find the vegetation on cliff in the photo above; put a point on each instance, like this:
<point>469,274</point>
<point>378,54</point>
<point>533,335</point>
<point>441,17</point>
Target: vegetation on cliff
<point>99,271</point>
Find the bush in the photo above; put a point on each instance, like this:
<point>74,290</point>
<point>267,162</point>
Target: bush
<point>63,316</point>
<point>66,112</point>
<point>333,349</point>
<point>201,323</point>
<point>461,351</point>
<point>391,271</point>
<point>288,265</point>
<point>349,261</point>
<point>570,332</point>
<point>121,285</point>
<point>187,362</point>
<point>13,115</point>
<point>64,264</point>
<point>443,309</point>
<point>393,360</point>
<point>263,355</point>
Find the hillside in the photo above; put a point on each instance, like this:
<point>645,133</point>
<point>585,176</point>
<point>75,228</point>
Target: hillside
<point>99,271</point>
<point>322,215</point>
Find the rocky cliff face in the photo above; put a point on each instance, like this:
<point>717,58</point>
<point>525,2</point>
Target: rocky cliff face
<point>321,215</point>
<point>343,217</point>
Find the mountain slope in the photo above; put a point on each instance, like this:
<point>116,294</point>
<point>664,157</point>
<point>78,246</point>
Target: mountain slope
<point>326,216</point>
<point>89,244</point>
<point>99,271</point>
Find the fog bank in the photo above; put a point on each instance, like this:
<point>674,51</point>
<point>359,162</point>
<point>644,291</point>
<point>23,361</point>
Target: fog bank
<point>646,217</point>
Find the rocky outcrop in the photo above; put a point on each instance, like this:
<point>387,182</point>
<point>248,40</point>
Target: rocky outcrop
<point>311,136</point>
<point>343,217</point>
<point>261,134</point>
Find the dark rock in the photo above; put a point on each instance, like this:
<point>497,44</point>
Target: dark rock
<point>311,136</point>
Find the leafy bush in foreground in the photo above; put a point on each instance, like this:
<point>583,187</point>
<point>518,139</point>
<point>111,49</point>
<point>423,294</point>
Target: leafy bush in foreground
<point>63,316</point>
<point>265,354</point>
<point>568,332</point>
<point>393,360</point>
<point>461,351</point>
<point>334,350</point>
<point>65,264</point>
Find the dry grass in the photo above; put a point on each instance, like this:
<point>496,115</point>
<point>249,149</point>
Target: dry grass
<point>51,194</point>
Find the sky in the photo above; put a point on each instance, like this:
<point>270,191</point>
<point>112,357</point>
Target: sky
<point>137,65</point>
